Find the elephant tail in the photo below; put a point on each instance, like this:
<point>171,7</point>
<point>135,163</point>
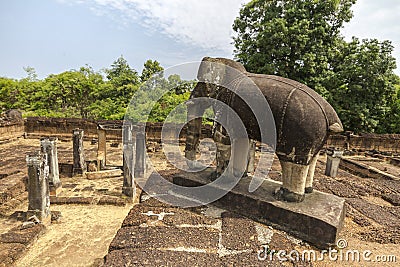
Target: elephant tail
<point>334,123</point>
<point>336,128</point>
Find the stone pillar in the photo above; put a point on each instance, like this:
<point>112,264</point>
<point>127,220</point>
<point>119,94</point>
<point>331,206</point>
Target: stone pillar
<point>252,156</point>
<point>101,149</point>
<point>128,188</point>
<point>49,147</point>
<point>79,158</point>
<point>38,186</point>
<point>140,161</point>
<point>332,162</point>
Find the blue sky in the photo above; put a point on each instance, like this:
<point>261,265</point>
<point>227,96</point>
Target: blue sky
<point>58,35</point>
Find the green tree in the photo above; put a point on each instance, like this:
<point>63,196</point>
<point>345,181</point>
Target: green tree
<point>123,79</point>
<point>150,67</point>
<point>293,39</point>
<point>301,40</point>
<point>362,88</point>
<point>9,92</point>
<point>68,94</point>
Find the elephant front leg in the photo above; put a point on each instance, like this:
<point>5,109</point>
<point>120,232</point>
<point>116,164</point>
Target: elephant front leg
<point>240,156</point>
<point>310,175</point>
<point>223,156</point>
<point>238,152</point>
<point>293,182</point>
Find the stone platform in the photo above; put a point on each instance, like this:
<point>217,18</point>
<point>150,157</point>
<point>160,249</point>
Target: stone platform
<point>318,219</point>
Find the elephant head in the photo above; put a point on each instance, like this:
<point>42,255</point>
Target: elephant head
<point>213,75</point>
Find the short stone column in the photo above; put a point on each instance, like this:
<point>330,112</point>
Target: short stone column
<point>38,186</point>
<point>332,162</point>
<point>101,148</point>
<point>79,167</point>
<point>128,188</point>
<point>49,146</point>
<point>140,161</point>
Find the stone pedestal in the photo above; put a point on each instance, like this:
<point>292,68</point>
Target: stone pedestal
<point>140,161</point>
<point>318,219</point>
<point>128,188</point>
<point>49,147</point>
<point>332,162</point>
<point>101,149</point>
<point>79,167</point>
<point>38,187</point>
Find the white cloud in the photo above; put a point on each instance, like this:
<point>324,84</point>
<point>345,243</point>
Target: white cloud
<point>206,23</point>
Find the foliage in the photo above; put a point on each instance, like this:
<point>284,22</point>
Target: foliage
<point>301,40</point>
<point>150,68</point>
<point>363,85</point>
<point>159,98</point>
<point>85,93</point>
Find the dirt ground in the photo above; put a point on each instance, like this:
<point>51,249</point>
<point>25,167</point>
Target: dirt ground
<point>82,236</point>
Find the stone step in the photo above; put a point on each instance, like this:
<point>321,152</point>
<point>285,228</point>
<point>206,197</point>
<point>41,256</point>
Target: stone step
<point>318,219</point>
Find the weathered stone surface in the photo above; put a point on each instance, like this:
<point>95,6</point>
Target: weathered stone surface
<point>140,257</point>
<point>164,237</point>
<point>375,212</point>
<point>153,202</point>
<point>128,159</point>
<point>141,214</point>
<point>281,242</point>
<point>339,189</point>
<point>110,200</point>
<point>49,147</point>
<point>8,208</point>
<point>140,159</point>
<point>78,152</point>
<point>392,198</point>
<point>318,219</point>
<point>38,186</point>
<point>72,200</point>
<point>11,186</point>
<point>362,170</point>
<point>101,148</point>
<point>384,235</point>
<point>24,236</point>
<point>248,259</point>
<point>103,174</point>
<point>10,252</point>
<point>232,224</point>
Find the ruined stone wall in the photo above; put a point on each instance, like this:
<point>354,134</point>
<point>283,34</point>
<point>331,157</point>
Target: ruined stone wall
<point>11,130</point>
<point>62,128</point>
<point>36,127</point>
<point>366,142</point>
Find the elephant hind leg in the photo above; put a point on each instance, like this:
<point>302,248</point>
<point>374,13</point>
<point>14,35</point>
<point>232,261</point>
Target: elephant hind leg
<point>293,182</point>
<point>310,175</point>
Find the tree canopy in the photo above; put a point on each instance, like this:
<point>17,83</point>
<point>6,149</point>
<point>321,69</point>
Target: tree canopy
<point>85,93</point>
<point>302,40</point>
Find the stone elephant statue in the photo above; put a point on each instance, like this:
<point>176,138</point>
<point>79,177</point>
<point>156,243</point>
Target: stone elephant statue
<point>303,121</point>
